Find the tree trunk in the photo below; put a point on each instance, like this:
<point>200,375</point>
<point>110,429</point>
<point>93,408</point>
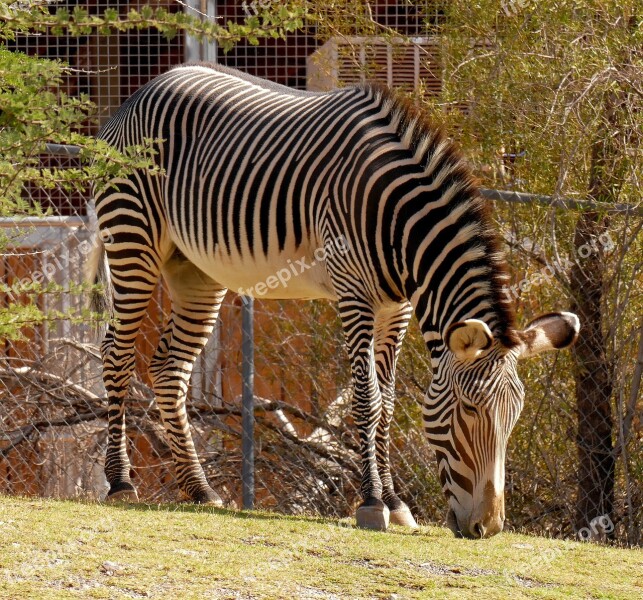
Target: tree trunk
<point>593,372</point>
<point>593,375</point>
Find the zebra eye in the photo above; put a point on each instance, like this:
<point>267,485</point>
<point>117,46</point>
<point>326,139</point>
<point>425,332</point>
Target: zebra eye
<point>469,407</point>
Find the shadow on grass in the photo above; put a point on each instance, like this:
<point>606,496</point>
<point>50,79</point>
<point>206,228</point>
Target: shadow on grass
<point>186,507</point>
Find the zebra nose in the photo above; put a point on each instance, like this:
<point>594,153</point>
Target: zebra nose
<point>486,528</point>
<point>478,530</point>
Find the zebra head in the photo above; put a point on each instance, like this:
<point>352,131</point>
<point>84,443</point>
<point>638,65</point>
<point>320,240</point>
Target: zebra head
<point>471,406</point>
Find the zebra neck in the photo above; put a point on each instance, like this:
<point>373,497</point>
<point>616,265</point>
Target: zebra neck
<point>453,280</point>
<point>435,313</point>
<point>446,256</point>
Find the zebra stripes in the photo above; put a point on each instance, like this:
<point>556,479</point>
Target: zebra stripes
<point>257,177</point>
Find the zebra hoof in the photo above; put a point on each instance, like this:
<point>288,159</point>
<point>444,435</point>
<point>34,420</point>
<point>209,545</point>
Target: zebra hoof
<point>208,497</point>
<point>402,516</point>
<point>373,517</point>
<point>122,492</point>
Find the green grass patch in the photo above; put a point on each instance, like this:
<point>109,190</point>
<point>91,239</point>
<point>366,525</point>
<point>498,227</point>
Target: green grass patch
<point>57,549</point>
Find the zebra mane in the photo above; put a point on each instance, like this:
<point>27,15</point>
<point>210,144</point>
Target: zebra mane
<point>422,136</point>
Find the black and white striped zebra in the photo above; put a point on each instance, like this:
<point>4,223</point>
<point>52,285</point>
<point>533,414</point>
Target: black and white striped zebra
<point>256,178</point>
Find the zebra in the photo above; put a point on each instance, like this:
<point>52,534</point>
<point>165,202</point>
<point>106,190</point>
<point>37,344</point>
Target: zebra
<point>254,177</point>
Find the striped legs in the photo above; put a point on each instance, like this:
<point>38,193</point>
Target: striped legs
<point>134,273</point>
<point>139,250</point>
<point>390,327</point>
<point>374,342</point>
<point>118,364</point>
<point>117,465</point>
<point>196,300</point>
<point>358,323</point>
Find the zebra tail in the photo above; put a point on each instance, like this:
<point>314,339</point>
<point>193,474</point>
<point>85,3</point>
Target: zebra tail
<point>97,275</point>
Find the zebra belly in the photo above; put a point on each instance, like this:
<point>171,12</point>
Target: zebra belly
<point>291,275</point>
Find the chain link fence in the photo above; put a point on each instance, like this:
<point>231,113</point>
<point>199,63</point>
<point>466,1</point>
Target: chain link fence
<point>53,406</point>
<point>53,409</point>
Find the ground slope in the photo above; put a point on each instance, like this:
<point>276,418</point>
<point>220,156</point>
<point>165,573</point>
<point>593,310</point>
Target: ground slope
<point>54,549</point>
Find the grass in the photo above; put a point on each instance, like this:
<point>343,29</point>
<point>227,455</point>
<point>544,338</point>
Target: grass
<point>58,549</point>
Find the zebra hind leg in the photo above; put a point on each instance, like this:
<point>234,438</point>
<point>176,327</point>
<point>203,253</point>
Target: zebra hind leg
<point>196,300</point>
<point>117,464</point>
<point>118,351</point>
<point>391,326</point>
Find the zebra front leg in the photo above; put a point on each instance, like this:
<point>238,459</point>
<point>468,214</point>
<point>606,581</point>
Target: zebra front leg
<point>357,322</point>
<point>391,326</point>
<point>196,300</point>
<point>400,513</point>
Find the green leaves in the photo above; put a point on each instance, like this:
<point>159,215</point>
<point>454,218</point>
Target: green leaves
<point>271,20</point>
<point>534,75</point>
<point>34,112</point>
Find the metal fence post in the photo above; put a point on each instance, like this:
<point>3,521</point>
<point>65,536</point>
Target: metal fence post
<point>247,406</point>
<point>196,50</point>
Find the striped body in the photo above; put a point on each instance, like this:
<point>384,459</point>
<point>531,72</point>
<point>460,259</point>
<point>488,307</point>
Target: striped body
<point>268,190</point>
<point>350,196</point>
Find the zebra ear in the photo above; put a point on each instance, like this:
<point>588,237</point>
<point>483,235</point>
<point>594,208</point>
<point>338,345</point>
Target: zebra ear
<point>468,339</point>
<point>552,331</point>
